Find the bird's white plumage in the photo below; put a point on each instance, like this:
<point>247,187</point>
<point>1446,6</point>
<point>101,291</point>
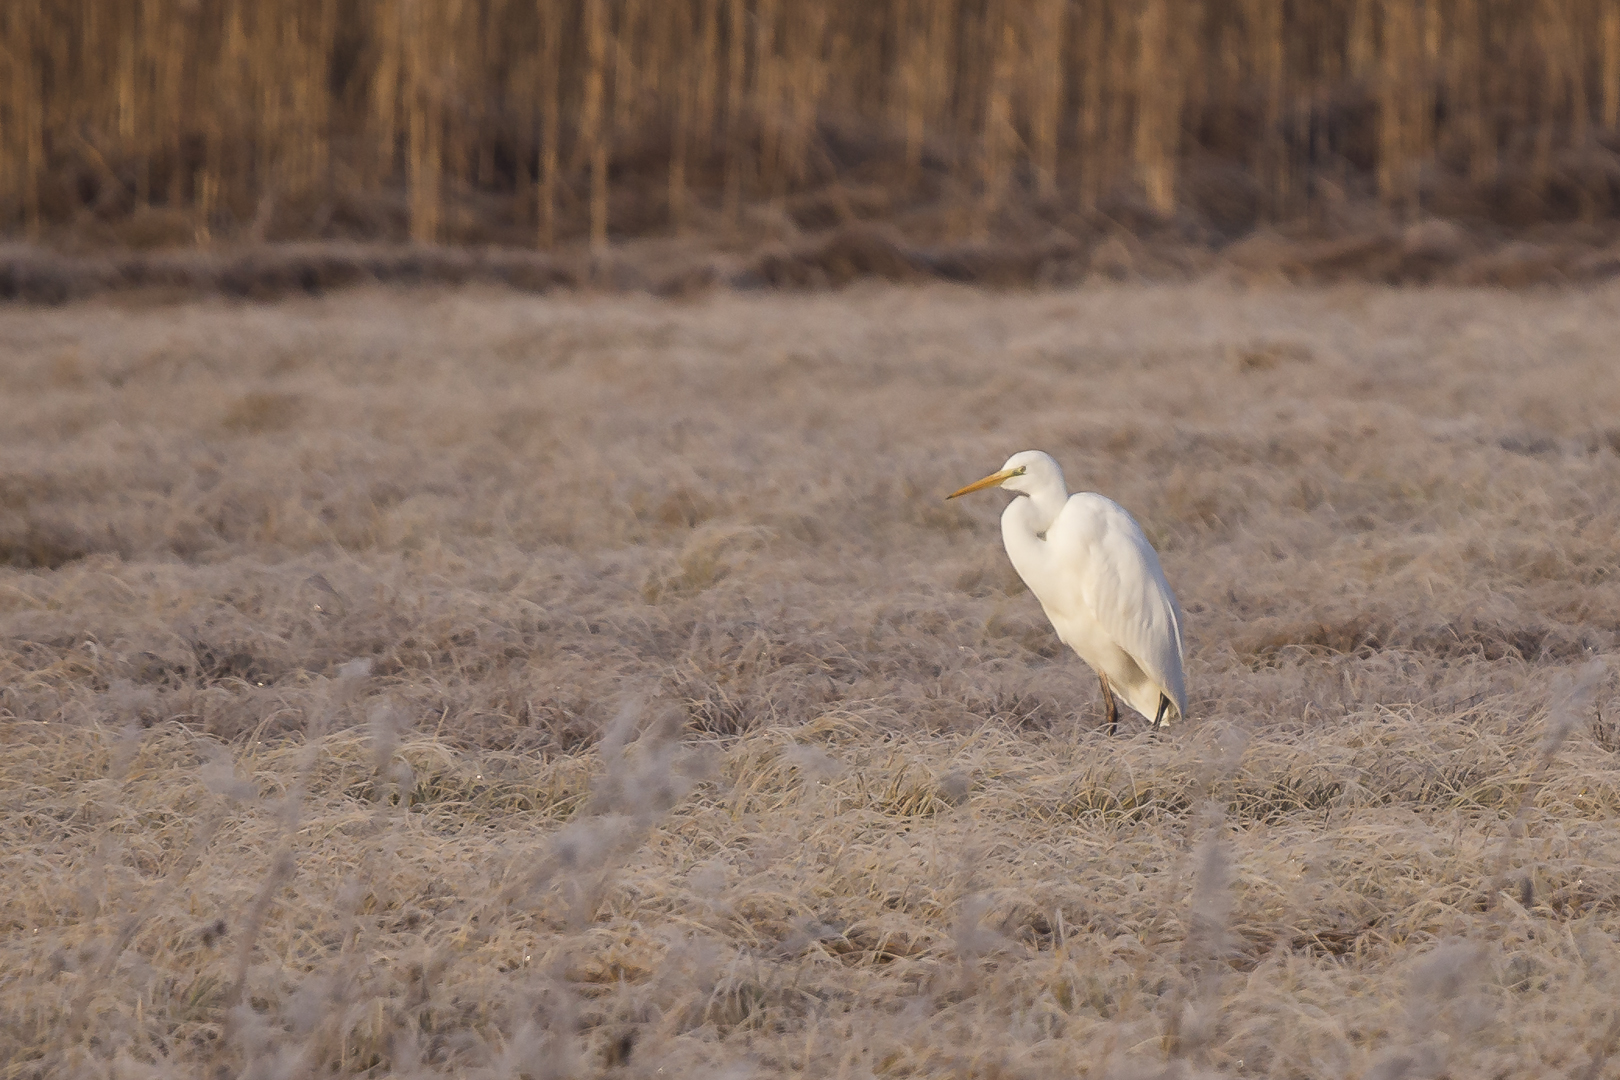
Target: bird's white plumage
<point>1098,579</point>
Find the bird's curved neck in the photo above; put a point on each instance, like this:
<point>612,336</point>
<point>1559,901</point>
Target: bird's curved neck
<point>1038,509</point>
<point>1023,529</point>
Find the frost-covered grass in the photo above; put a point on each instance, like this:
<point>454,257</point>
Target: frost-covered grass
<point>458,683</point>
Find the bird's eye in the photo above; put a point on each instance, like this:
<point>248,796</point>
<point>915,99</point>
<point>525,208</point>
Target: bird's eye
<point>1020,470</point>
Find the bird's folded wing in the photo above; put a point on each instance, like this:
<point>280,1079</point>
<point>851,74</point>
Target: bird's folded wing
<point>1126,591</point>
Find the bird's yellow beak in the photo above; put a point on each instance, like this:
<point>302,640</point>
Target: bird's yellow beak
<point>992,480</point>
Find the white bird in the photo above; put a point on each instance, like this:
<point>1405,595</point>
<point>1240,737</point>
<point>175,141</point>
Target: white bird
<point>1098,580</point>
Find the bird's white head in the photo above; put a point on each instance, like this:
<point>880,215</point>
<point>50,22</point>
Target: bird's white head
<point>1026,473</point>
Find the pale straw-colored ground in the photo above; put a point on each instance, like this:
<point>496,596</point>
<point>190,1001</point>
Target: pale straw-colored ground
<point>464,684</point>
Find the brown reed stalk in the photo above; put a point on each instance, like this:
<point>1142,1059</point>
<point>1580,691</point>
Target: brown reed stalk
<point>912,43</point>
<point>624,73</point>
<point>1158,108</point>
<point>1399,33</point>
<point>13,93</point>
<point>970,75</point>
<point>735,58</point>
<point>47,114</point>
<point>897,96</point>
<point>274,132</point>
<point>491,17</point>
<point>807,84</point>
<point>1092,132</point>
<point>206,180</point>
<point>1574,68</point>
<point>705,87</point>
<point>1045,76</point>
<point>1610,109</point>
<point>30,121</point>
<point>550,73</point>
<point>1189,30</point>
<point>383,97</point>
<point>1464,90</point>
<point>1361,42</point>
<point>592,116</point>
<point>17,90</point>
<point>226,163</point>
<point>1548,36</point>
<point>1421,102</point>
<point>280,71</point>
<point>425,124</point>
<point>171,39</point>
<point>679,31</point>
<point>147,51</point>
<point>767,93</point>
<point>943,55</point>
<point>125,78</point>
<point>1265,46</point>
<point>998,129</point>
<point>454,48</point>
<point>1118,129</point>
<point>646,54</point>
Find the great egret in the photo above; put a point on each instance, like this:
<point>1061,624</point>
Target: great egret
<point>1099,581</point>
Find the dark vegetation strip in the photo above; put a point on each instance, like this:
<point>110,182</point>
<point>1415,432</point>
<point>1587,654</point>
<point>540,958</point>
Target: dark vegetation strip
<point>1431,252</point>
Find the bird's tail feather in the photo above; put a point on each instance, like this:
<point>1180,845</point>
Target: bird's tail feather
<point>1164,707</point>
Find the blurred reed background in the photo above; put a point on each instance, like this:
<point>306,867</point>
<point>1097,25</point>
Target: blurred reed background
<point>541,122</point>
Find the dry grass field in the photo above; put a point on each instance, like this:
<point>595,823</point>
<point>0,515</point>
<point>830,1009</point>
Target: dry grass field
<point>459,683</point>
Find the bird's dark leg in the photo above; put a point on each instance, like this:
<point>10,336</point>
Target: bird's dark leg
<point>1164,707</point>
<point>1108,701</point>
